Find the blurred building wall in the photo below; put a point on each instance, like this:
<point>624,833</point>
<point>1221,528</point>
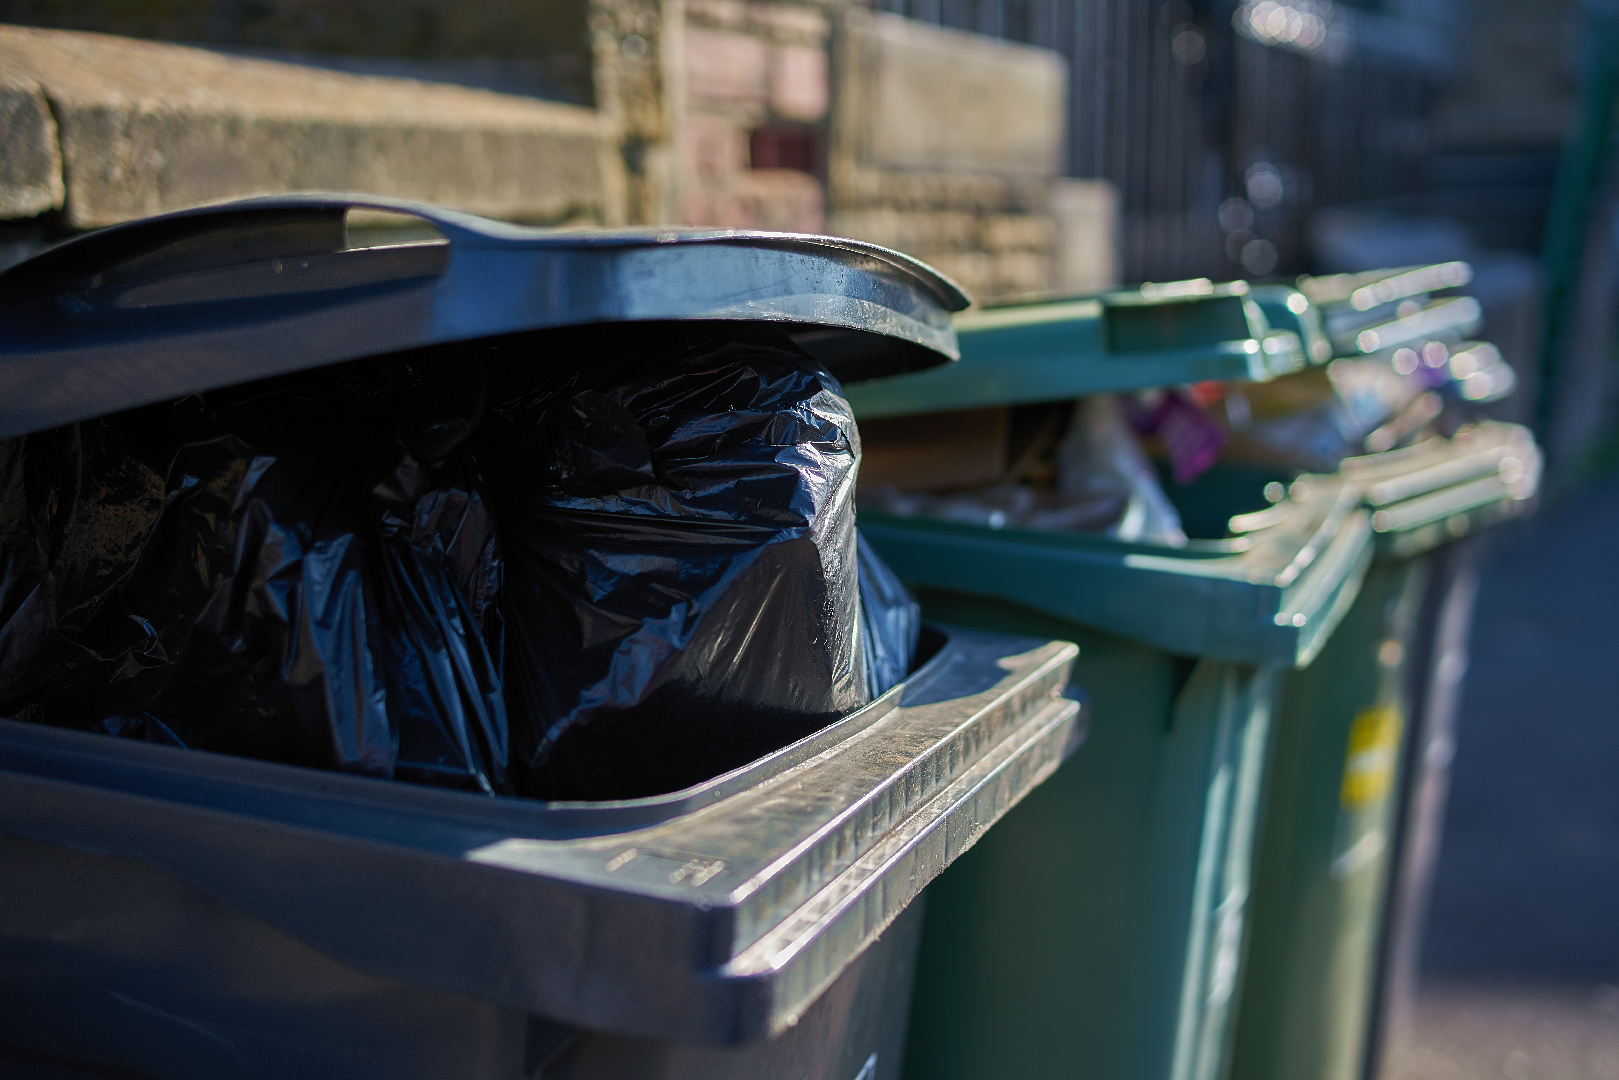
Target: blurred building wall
<point>820,117</point>
<point>947,145</point>
<point>799,115</point>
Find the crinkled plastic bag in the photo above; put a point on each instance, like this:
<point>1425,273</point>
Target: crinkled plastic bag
<point>313,570</point>
<point>1099,461</point>
<point>300,589</point>
<point>680,589</point>
<point>890,623</point>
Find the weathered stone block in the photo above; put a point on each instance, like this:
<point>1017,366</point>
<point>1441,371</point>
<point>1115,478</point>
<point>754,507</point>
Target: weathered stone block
<point>1086,216</point>
<point>787,200</point>
<point>920,97</point>
<point>724,67</point>
<point>30,159</point>
<point>147,127</point>
<point>1018,275</point>
<point>799,83</point>
<point>1017,232</point>
<point>779,199</point>
<point>730,14</point>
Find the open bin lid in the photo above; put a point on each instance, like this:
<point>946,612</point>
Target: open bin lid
<point>1133,339</point>
<point>191,301</point>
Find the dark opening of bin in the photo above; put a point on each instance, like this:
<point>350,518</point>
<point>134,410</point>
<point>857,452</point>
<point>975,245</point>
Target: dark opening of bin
<point>599,562</point>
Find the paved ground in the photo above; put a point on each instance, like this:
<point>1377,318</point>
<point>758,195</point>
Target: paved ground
<point>1521,966</point>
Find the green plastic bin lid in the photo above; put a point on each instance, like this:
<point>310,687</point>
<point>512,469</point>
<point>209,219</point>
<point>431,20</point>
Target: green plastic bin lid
<point>1381,310</point>
<point>1448,319</point>
<point>1286,308</point>
<point>1158,335</point>
<point>1373,288</point>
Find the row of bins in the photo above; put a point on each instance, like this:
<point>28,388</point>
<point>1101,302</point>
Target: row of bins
<point>1215,884</point>
<point>1167,746</point>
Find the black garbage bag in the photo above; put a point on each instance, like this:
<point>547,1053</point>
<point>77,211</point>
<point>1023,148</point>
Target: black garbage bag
<point>302,589</point>
<point>76,508</point>
<point>648,561</point>
<point>680,592</point>
<point>890,623</point>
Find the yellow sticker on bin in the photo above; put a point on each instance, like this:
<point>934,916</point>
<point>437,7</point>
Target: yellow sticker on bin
<point>1374,740</point>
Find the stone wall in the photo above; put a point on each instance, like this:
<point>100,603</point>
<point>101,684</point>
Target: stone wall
<point>946,145</point>
<point>104,129</point>
<point>822,117</point>
<point>797,115</point>
<point>531,46</point>
<point>752,99</point>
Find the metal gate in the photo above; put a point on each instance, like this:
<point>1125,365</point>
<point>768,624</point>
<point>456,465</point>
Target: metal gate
<point>1224,125</point>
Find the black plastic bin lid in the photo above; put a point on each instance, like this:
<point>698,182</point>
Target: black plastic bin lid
<point>191,301</point>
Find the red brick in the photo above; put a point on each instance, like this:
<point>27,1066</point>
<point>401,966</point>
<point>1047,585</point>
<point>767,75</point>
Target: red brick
<point>799,88</point>
<point>725,68</point>
<point>713,146</point>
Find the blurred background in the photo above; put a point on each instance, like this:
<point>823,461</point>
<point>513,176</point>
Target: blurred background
<point>1028,148</point>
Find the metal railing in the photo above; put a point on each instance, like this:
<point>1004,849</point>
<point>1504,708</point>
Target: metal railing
<point>1224,124</point>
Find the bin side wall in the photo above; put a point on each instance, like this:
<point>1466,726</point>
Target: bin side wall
<point>1125,864</point>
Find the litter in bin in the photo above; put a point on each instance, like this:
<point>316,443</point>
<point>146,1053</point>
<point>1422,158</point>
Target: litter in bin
<point>1191,440</point>
<point>316,569</point>
<point>1314,419</point>
<point>1102,482</point>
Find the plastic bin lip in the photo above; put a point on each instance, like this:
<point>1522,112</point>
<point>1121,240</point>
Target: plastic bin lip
<point>1440,490</point>
<point>1452,317</point>
<point>716,924</point>
<point>1272,597</point>
<point>160,308</point>
<point>1112,342</point>
<point>1369,289</point>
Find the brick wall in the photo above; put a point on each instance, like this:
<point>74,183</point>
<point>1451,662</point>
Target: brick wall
<point>821,117</point>
<point>754,98</point>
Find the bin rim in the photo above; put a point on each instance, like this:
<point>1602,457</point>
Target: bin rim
<point>463,227</point>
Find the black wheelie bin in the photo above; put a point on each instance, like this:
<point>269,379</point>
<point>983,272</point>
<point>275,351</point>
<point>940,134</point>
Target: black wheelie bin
<point>182,895</point>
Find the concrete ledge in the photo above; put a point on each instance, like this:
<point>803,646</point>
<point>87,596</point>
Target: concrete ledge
<point>940,99</point>
<point>30,162</point>
<point>145,127</point>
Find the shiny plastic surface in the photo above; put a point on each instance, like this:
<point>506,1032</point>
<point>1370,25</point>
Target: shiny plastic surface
<point>680,591</point>
<point>604,586</point>
<point>295,586</point>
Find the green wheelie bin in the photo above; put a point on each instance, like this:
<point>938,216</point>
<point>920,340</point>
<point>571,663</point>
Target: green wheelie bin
<point>1118,952</point>
<point>1352,737</point>
<point>1121,951</point>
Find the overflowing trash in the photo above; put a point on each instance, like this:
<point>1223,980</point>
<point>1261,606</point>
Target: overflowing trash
<point>594,564</point>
